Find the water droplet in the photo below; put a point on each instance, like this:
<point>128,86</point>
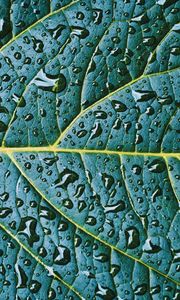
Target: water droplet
<point>37,45</point>
<point>97,16</point>
<point>34,286</point>
<point>51,294</point>
<point>28,117</point>
<point>4,196</point>
<point>19,202</point>
<point>108,180</point>
<point>51,83</point>
<point>62,255</point>
<point>63,226</point>
<point>141,289</point>
<point>42,252</point>
<point>101,257</point>
<point>27,227</point>
<point>96,131</point>
<point>157,193</point>
<point>68,203</point>
<point>4,212</point>
<point>157,166</point>
<point>117,124</point>
<point>100,114</point>
<point>21,277</point>
<point>46,213</point>
<point>105,293</point>
<point>82,33</point>
<point>81,133</point>
<point>81,205</point>
<point>56,32</point>
<point>141,96</point>
<point>80,15</point>
<point>165,100</point>
<point>141,19</point>
<point>136,169</point>
<point>91,221</point>
<point>119,206</point>
<point>50,160</point>
<point>119,106</point>
<point>149,41</point>
<point>77,240</point>
<point>65,178</point>
<point>79,190</point>
<point>151,246</point>
<point>132,237</point>
<point>115,270</point>
<point>165,3</point>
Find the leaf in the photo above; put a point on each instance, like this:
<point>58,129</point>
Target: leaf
<point>90,151</point>
<point>18,15</point>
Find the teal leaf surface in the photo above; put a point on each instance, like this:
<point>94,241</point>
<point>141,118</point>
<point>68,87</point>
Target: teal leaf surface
<point>89,150</point>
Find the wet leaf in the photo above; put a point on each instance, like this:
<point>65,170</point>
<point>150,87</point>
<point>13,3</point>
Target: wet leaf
<point>89,156</point>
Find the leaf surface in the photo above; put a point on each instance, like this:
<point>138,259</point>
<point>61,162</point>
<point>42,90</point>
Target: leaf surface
<point>89,156</point>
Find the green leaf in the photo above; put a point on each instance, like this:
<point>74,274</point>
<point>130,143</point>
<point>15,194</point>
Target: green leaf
<point>89,156</point>
<point>18,15</point>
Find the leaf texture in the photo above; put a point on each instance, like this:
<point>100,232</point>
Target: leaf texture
<point>89,156</point>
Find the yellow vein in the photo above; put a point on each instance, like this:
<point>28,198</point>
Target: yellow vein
<point>106,97</point>
<point>85,230</point>
<point>7,150</point>
<point>39,261</point>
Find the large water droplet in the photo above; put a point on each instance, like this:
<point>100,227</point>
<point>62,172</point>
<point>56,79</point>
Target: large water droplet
<point>101,257</point>
<point>157,166</point>
<point>21,277</point>
<point>132,237</point>
<point>119,106</point>
<point>100,114</point>
<point>4,196</point>
<point>140,289</point>
<point>79,190</point>
<point>65,178</point>
<point>165,100</point>
<point>108,180</point>
<point>91,221</point>
<point>97,16</point>
<point>37,45</point>
<point>82,33</point>
<point>81,205</point>
<point>34,286</point>
<point>141,96</point>
<point>151,246</point>
<point>96,131</point>
<point>105,293</point>
<point>46,213</point>
<point>48,82</point>
<point>27,227</point>
<point>4,212</point>
<point>62,255</point>
<point>119,206</point>
<point>56,32</point>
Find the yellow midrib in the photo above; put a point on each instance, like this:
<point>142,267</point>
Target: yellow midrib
<point>10,150</point>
